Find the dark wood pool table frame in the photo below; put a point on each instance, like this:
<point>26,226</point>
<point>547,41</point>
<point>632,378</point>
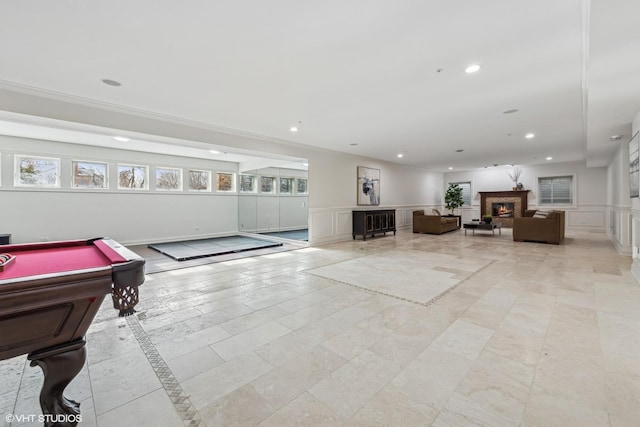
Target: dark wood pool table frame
<point>48,315</point>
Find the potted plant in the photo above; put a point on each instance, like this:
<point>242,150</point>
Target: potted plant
<point>453,197</point>
<point>487,219</point>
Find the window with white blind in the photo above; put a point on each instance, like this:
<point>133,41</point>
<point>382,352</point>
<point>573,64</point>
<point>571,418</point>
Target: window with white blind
<point>555,190</point>
<point>466,192</point>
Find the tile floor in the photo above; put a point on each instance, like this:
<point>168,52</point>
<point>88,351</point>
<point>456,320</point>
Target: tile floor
<point>411,330</point>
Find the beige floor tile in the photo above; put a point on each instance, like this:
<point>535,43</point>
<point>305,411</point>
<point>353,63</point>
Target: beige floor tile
<point>349,388</point>
<point>432,378</point>
<point>244,342</point>
<point>119,380</point>
<point>151,410</point>
<point>242,407</point>
<point>496,387</point>
<point>464,339</point>
<point>351,342</point>
<point>289,380</point>
<point>217,317</point>
<point>191,342</point>
<point>390,407</point>
<point>215,383</point>
<point>461,411</point>
<point>289,346</point>
<point>550,410</point>
<point>194,363</point>
<point>306,410</point>
<point>251,320</point>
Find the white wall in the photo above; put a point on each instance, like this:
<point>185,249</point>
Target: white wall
<point>129,216</point>
<point>634,214</point>
<point>333,190</point>
<point>590,203</point>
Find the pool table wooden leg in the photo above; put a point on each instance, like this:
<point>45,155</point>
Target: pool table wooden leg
<point>60,366</point>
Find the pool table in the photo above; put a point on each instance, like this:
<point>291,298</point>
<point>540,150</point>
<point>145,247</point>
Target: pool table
<point>49,294</point>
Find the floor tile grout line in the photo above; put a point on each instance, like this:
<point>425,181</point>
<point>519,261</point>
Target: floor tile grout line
<point>180,400</point>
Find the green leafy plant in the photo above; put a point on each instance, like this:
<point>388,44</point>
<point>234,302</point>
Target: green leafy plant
<point>453,197</point>
<point>487,218</point>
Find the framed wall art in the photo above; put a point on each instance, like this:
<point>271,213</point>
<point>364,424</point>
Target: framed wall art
<point>368,186</point>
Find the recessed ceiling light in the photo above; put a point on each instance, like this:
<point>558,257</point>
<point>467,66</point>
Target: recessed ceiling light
<point>400,155</point>
<point>549,158</point>
<point>459,150</point>
<point>615,137</point>
<point>111,82</point>
<point>450,167</point>
<point>293,129</point>
<point>530,135</point>
<point>353,144</point>
<point>472,69</point>
<point>214,152</point>
<point>513,110</point>
<point>121,138</point>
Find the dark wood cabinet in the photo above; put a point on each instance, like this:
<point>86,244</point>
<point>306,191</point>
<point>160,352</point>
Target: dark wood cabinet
<point>371,222</point>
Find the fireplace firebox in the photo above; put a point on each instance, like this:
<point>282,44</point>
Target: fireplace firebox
<point>502,210</point>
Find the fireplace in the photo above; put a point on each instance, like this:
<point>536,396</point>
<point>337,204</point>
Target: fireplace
<point>504,205</point>
<point>502,209</point>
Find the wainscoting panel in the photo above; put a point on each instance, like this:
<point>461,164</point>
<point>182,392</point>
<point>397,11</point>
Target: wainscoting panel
<point>344,222</point>
<point>320,225</point>
<point>584,218</point>
<point>328,225</point>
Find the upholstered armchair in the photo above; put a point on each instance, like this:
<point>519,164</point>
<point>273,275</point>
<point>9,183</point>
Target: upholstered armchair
<point>433,224</point>
<point>539,226</point>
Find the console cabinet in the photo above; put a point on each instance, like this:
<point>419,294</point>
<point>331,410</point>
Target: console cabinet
<point>371,222</point>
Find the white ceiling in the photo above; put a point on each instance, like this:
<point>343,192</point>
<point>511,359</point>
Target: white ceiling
<point>386,75</point>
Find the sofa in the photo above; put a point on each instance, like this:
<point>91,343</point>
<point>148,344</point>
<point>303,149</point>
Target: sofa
<point>433,224</point>
<point>539,226</point>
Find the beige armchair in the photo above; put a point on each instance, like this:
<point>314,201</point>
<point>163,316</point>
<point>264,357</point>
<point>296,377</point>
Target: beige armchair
<point>433,224</point>
<point>538,229</point>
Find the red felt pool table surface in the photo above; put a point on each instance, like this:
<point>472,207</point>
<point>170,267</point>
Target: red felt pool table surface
<point>59,259</point>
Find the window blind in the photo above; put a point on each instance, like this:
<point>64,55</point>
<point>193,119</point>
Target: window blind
<point>466,192</point>
<point>556,190</point>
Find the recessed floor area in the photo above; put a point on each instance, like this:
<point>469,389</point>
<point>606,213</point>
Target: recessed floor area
<point>192,249</point>
<point>529,335</point>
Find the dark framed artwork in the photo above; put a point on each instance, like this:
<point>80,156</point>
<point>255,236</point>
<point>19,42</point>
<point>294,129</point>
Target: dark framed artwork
<point>368,186</point>
<point>634,171</point>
